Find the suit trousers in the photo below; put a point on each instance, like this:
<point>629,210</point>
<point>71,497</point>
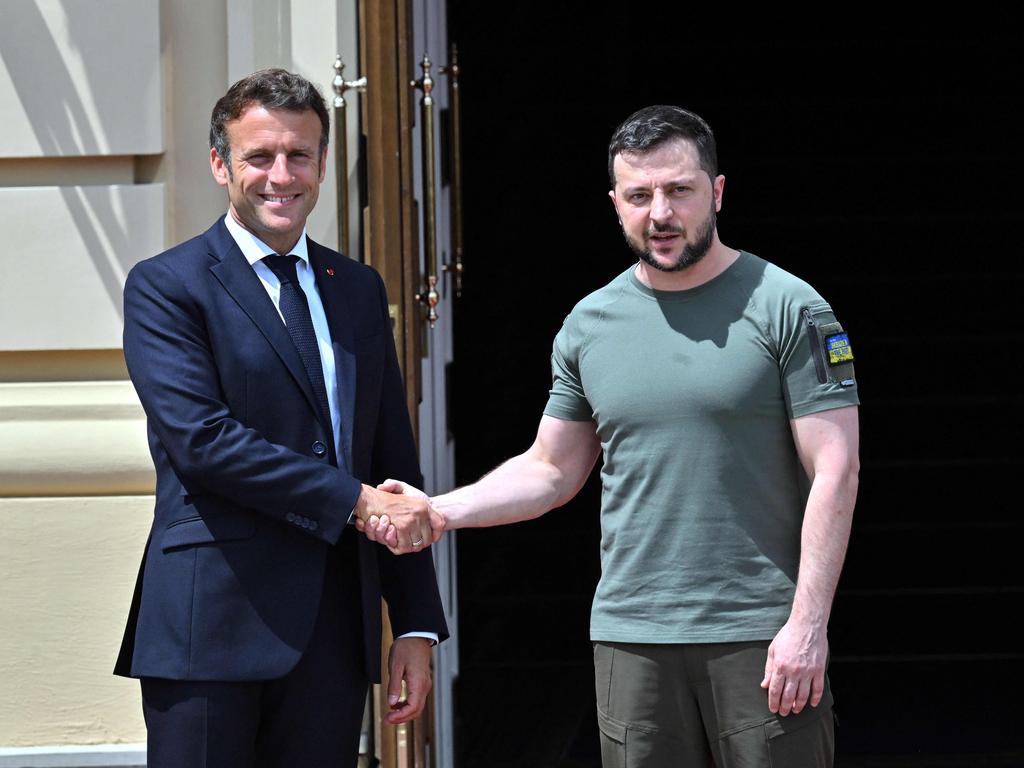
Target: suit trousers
<point>311,717</point>
<point>699,706</point>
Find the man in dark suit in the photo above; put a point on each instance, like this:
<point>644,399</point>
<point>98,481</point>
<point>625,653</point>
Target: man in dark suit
<point>266,366</point>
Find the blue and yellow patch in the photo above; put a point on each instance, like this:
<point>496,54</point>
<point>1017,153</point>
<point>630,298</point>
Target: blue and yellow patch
<point>839,349</point>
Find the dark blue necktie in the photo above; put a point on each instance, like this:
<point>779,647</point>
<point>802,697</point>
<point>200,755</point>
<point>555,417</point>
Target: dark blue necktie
<point>295,310</point>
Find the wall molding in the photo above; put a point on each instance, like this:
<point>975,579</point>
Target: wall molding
<point>73,439</point>
<point>93,756</point>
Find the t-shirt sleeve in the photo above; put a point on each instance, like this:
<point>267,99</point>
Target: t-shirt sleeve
<point>567,399</point>
<point>816,360</point>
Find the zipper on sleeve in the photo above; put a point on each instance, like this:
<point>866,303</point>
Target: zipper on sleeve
<point>816,353</point>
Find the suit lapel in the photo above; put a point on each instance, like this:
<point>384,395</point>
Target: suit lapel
<point>339,319</point>
<point>240,281</point>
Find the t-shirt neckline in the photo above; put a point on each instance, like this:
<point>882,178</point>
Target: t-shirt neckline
<point>686,293</point>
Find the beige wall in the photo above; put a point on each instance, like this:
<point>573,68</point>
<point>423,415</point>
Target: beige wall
<point>69,265</point>
<point>80,78</point>
<point>62,609</point>
<point>103,161</point>
<point>82,99</point>
<point>73,479</point>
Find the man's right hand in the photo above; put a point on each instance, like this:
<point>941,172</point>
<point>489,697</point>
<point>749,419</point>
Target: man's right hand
<point>399,516</point>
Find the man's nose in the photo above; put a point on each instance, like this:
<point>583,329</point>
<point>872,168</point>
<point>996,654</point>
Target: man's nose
<point>279,172</point>
<point>661,209</point>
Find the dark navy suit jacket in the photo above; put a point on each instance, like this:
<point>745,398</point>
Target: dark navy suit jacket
<point>247,497</point>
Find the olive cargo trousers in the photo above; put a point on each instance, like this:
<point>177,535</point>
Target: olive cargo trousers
<point>697,705</point>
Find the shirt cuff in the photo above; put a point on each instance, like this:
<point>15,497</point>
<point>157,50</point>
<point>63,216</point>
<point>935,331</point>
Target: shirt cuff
<point>431,636</point>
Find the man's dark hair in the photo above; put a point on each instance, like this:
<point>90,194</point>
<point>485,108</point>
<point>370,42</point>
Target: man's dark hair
<point>272,89</point>
<point>647,129</point>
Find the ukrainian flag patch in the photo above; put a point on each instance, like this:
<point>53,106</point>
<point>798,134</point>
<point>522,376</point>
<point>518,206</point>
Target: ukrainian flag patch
<point>839,349</point>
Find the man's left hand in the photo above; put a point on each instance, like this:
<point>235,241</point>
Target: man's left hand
<point>795,671</point>
<point>409,660</point>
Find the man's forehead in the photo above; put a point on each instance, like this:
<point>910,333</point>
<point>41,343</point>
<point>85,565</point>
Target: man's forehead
<point>255,112</point>
<point>657,172</point>
<point>258,122</point>
<point>676,153</point>
<point>664,163</point>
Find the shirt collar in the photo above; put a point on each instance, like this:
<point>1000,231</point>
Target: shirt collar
<point>255,249</point>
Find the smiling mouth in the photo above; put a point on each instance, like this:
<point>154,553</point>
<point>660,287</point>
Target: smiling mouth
<point>279,198</point>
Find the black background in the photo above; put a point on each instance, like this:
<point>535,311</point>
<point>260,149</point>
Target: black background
<point>878,163</point>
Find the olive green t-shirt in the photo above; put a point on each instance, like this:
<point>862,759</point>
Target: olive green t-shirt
<point>703,494</point>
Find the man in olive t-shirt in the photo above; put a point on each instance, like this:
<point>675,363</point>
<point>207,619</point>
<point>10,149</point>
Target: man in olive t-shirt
<point>720,392</point>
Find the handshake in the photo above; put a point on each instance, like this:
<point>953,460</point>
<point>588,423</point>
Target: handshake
<point>399,516</point>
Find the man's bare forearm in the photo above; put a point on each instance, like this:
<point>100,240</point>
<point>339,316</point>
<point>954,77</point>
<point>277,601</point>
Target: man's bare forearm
<point>797,656</point>
<point>546,476</point>
<point>519,489</point>
<point>828,446</point>
<point>823,541</point>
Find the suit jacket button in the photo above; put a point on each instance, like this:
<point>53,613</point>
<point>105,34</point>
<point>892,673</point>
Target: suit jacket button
<point>319,448</point>
<point>313,525</point>
<point>290,517</point>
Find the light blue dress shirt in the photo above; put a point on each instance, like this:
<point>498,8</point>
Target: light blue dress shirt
<point>254,250</point>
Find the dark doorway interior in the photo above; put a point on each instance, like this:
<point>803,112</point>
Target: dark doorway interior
<point>879,166</point>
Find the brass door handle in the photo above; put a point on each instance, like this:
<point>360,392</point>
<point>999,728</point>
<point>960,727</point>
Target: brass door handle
<point>429,296</point>
<point>340,86</point>
<point>452,70</point>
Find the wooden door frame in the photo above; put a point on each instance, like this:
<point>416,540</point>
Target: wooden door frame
<point>392,248</point>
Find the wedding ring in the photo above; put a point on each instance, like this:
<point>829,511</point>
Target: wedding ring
<point>417,543</point>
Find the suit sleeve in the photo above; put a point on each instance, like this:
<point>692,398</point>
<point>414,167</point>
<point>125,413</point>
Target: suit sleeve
<point>173,367</point>
<point>408,582</point>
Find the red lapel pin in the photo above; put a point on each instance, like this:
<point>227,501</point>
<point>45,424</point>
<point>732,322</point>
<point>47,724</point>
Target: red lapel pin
<point>330,271</point>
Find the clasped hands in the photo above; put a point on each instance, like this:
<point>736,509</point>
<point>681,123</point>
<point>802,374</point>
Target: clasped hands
<point>399,516</point>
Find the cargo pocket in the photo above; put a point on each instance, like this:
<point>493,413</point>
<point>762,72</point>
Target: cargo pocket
<point>806,740</point>
<point>810,743</point>
<point>613,741</point>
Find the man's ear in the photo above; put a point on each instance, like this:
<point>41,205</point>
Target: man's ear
<point>615,204</point>
<point>219,168</point>
<point>323,165</point>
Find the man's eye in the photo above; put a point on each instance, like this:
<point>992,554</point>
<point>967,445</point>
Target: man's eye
<point>637,197</point>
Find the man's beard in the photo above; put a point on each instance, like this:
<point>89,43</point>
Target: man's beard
<point>692,251</point>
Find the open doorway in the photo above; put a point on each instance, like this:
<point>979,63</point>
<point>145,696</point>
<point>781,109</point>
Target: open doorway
<point>880,167</point>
